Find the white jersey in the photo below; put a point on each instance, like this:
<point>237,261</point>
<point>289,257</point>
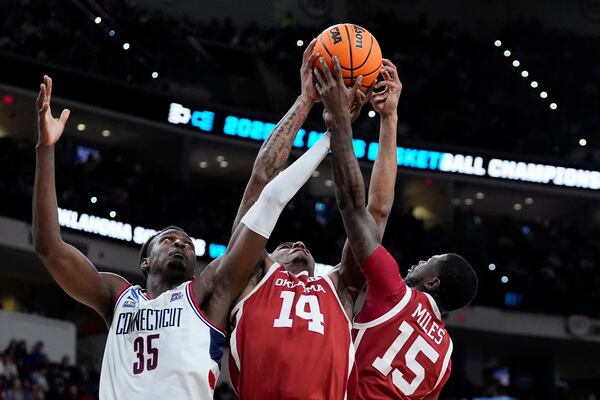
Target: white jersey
<point>162,348</point>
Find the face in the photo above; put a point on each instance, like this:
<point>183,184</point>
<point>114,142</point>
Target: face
<point>420,275</point>
<point>295,256</point>
<point>172,255</point>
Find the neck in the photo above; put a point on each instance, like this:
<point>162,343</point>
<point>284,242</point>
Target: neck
<point>297,268</point>
<point>156,285</point>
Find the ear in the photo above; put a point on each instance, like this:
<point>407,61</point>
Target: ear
<point>145,265</point>
<point>432,285</point>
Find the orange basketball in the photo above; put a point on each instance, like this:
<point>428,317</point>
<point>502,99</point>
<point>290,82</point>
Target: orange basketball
<point>356,49</point>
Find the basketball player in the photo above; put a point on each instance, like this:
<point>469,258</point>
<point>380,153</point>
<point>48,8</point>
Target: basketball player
<point>403,348</point>
<point>291,329</point>
<point>148,327</point>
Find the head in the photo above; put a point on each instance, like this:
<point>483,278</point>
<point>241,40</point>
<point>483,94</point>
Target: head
<point>295,256</point>
<point>169,255</point>
<point>448,278</point>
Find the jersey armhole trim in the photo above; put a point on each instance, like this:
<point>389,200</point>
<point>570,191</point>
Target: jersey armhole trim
<point>192,299</point>
<point>388,315</point>
<point>445,364</point>
<point>120,294</point>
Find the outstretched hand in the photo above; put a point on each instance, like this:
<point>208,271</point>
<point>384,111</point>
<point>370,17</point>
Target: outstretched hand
<point>386,101</point>
<point>307,81</point>
<point>50,129</point>
<point>337,98</point>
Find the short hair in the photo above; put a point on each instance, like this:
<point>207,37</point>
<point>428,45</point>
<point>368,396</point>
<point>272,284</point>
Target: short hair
<point>146,246</point>
<point>458,282</point>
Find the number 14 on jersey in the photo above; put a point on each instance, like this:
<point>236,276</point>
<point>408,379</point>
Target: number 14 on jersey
<point>307,308</point>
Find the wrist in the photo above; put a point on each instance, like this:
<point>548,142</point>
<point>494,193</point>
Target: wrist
<point>44,147</point>
<point>306,100</point>
<point>389,117</point>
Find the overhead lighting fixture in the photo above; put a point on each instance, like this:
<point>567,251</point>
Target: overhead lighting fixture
<point>507,53</point>
<point>524,74</point>
<point>371,114</point>
<point>81,127</point>
<point>203,164</point>
<point>516,63</point>
<point>126,46</point>
<point>97,20</point>
<point>498,43</point>
<point>94,200</point>
<point>479,196</point>
<point>468,202</point>
<point>492,267</point>
<point>517,207</point>
<point>528,200</point>
<point>543,95</point>
<point>300,43</point>
<point>112,214</point>
<point>534,84</point>
<point>582,142</point>
<point>106,133</point>
<point>553,106</point>
<point>504,279</point>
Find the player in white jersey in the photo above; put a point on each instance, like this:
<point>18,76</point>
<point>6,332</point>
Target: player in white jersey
<point>170,332</point>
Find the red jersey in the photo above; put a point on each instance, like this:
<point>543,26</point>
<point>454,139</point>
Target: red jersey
<point>291,339</point>
<point>402,347</point>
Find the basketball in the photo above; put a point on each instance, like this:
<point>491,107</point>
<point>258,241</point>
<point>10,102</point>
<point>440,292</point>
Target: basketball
<point>356,49</point>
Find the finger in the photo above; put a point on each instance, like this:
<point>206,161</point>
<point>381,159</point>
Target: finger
<point>319,77</point>
<point>312,58</point>
<point>369,93</point>
<point>381,84</point>
<point>393,70</point>
<point>319,88</point>
<point>41,96</point>
<point>338,71</point>
<point>386,75</point>
<point>325,69</point>
<point>64,116</point>
<point>48,82</point>
<point>357,83</point>
<point>309,49</point>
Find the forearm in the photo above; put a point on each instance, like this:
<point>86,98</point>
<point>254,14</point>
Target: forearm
<point>383,175</point>
<point>274,153</point>
<point>349,185</point>
<point>261,218</point>
<point>46,228</point>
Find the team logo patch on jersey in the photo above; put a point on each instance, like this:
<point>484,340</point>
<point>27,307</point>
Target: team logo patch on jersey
<point>129,303</point>
<point>176,296</point>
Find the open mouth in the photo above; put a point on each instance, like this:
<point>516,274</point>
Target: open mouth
<point>177,253</point>
<point>299,249</point>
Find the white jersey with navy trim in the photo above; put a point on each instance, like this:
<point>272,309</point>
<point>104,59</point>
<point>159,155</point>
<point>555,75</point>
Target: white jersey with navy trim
<point>162,348</point>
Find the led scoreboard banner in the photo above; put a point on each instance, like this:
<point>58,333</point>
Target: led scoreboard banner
<point>229,125</point>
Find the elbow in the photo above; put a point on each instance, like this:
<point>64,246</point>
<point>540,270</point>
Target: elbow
<point>380,211</point>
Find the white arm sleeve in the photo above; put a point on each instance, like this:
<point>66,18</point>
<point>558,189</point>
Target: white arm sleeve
<point>263,215</point>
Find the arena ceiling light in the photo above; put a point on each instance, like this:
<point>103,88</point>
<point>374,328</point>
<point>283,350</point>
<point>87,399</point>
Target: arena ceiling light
<point>524,73</point>
<point>492,267</point>
<point>112,214</point>
<point>97,20</point>
<point>582,142</point>
<point>300,43</point>
<point>371,114</point>
<point>504,279</point>
<point>93,200</point>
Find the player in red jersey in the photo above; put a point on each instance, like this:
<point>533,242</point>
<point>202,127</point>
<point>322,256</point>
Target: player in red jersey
<point>403,348</point>
<point>291,331</point>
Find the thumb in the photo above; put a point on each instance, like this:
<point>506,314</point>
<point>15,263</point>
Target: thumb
<point>64,116</point>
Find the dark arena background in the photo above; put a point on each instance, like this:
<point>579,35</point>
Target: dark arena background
<point>498,160</point>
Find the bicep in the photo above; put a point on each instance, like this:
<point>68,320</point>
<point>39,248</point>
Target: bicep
<point>78,277</point>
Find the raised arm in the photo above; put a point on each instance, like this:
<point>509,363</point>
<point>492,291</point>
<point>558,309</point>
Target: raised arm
<point>383,175</point>
<point>237,264</point>
<point>70,269</point>
<point>361,228</point>
<point>275,151</point>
